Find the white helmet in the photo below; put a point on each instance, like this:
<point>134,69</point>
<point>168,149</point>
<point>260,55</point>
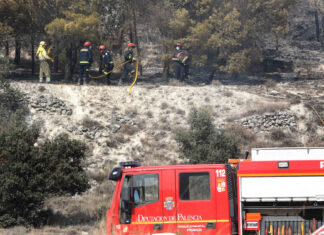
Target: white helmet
<point>42,43</point>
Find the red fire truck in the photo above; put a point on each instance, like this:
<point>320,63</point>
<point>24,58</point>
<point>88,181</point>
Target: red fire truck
<point>264,195</point>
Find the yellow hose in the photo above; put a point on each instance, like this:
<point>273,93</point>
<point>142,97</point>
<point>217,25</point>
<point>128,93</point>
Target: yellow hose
<point>101,76</point>
<point>302,228</point>
<point>130,89</point>
<point>318,115</point>
<point>271,230</point>
<point>283,230</point>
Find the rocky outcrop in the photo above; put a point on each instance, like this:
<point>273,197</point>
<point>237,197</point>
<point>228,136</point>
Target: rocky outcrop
<point>269,121</point>
<point>50,104</point>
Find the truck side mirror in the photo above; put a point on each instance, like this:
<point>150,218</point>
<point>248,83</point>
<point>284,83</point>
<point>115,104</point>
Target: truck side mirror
<point>115,174</point>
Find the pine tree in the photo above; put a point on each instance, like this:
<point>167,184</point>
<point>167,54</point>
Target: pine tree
<point>224,35</point>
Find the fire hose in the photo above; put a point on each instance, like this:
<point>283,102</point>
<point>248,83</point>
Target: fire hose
<point>101,76</point>
<point>136,74</point>
<point>318,115</point>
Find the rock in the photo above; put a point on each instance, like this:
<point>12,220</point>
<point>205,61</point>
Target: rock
<point>71,128</point>
<point>105,134</point>
<point>79,132</point>
<point>114,128</point>
<point>69,112</point>
<point>269,120</point>
<point>97,135</point>
<point>274,93</point>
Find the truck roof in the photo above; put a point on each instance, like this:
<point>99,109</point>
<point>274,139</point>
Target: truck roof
<point>174,167</point>
<point>288,153</point>
<point>271,168</point>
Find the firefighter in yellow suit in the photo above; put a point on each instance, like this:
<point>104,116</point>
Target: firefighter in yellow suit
<point>44,68</point>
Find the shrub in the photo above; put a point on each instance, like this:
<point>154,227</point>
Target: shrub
<point>202,143</point>
<point>29,174</point>
<point>11,106</point>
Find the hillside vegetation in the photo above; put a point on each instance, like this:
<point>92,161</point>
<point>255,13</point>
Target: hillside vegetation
<point>256,80</point>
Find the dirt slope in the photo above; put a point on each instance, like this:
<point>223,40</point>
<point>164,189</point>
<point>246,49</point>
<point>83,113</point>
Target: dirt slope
<point>118,127</point>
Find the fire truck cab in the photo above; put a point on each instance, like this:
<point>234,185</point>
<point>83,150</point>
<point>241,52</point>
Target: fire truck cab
<point>279,193</point>
<point>180,199</point>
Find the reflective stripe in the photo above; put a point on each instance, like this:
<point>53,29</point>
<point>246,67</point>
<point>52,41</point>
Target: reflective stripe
<point>111,62</point>
<point>42,54</point>
<point>84,50</point>
<point>84,62</point>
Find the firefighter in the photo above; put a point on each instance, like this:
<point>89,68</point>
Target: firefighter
<point>181,62</point>
<point>43,66</point>
<point>107,62</point>
<point>128,68</point>
<point>85,62</point>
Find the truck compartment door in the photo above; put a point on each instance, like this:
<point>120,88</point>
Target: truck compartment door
<point>196,202</point>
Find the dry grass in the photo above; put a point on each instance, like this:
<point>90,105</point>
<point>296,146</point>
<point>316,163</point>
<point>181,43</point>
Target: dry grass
<point>41,89</point>
<point>278,135</point>
<point>227,93</point>
<point>88,209</point>
<point>131,112</point>
<point>244,136</point>
<point>259,109</point>
<point>164,106</point>
<point>91,124</point>
<point>149,114</point>
<point>270,83</point>
<point>129,130</point>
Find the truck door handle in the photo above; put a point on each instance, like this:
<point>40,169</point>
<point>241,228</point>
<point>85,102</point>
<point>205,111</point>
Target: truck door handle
<point>157,227</point>
<point>210,225</point>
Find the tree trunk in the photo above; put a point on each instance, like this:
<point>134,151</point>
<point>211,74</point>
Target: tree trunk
<point>121,36</point>
<point>7,48</point>
<point>166,65</point>
<point>317,26</point>
<point>17,52</point>
<point>137,43</point>
<point>166,71</point>
<point>211,76</point>
<point>322,38</point>
<point>32,54</point>
<point>68,65</point>
<point>74,60</point>
<point>56,58</point>
<point>130,32</point>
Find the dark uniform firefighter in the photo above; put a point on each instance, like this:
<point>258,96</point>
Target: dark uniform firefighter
<point>128,68</point>
<point>107,62</point>
<point>181,62</point>
<point>85,62</point>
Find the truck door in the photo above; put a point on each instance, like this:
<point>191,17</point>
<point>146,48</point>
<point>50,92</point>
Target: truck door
<point>196,202</point>
<point>144,213</point>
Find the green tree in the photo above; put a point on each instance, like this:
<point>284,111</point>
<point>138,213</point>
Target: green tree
<point>77,25</point>
<point>203,143</point>
<point>225,35</point>
<point>31,171</point>
<point>29,174</point>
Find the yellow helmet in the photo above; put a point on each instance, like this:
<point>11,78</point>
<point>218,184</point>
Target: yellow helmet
<point>42,43</point>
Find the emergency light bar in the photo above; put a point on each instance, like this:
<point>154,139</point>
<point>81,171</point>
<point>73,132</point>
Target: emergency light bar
<point>130,164</point>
